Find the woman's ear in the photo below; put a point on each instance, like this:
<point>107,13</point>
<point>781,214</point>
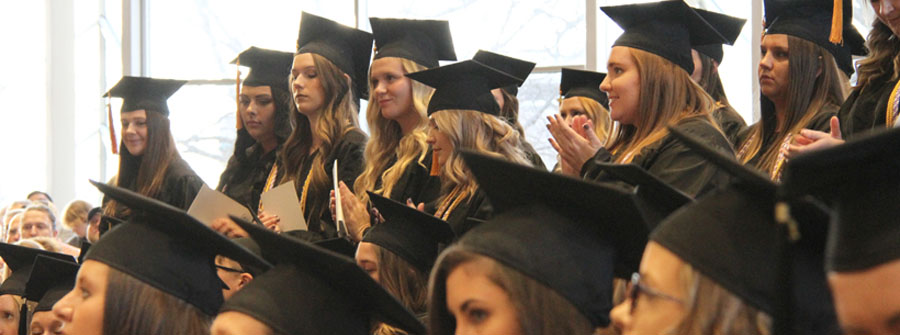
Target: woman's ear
<point>349,81</point>
<point>819,66</point>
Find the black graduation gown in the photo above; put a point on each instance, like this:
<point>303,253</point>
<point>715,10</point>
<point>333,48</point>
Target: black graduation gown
<point>730,121</point>
<point>417,183</point>
<point>467,214</point>
<point>349,154</point>
<point>180,186</point>
<point>245,177</point>
<point>821,122</point>
<point>673,162</point>
<point>865,108</point>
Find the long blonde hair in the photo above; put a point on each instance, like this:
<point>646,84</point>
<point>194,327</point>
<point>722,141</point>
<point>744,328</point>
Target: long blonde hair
<point>336,118</point>
<point>668,96</point>
<point>711,309</point>
<point>481,132</point>
<point>814,83</point>
<point>388,144</point>
<point>404,282</point>
<point>604,127</point>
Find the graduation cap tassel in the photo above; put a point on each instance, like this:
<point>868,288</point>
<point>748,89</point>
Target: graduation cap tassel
<point>237,96</point>
<point>435,167</point>
<point>112,129</point>
<point>783,216</point>
<point>837,23</point>
<point>23,319</point>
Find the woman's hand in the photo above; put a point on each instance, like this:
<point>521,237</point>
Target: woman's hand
<point>811,140</point>
<point>270,221</point>
<point>574,147</point>
<point>229,228</point>
<point>356,215</point>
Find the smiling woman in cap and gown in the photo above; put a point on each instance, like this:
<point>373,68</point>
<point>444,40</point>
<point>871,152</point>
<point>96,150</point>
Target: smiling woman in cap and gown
<point>649,89</point>
<point>464,115</point>
<point>397,155</point>
<point>149,163</point>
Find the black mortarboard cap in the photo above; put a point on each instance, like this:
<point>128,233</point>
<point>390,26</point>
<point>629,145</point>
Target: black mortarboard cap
<point>738,226</point>
<point>812,20</point>
<point>860,180</point>
<point>338,245</point>
<point>464,85</point>
<point>422,41</point>
<point>668,29</point>
<point>348,48</point>
<point>166,248</point>
<point>108,222</point>
<point>85,246</point>
<point>654,197</point>
<point>318,278</point>
<point>267,67</point>
<point>501,181</point>
<point>251,246</point>
<point>413,235</point>
<point>728,26</point>
<point>512,66</point>
<point>145,93</point>
<point>50,280</point>
<point>580,83</point>
<point>554,224</point>
<point>20,261</point>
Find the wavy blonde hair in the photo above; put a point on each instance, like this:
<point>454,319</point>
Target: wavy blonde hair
<point>388,143</point>
<point>604,126</point>
<point>883,61</point>
<point>711,309</point>
<point>336,118</point>
<point>668,97</point>
<point>481,132</point>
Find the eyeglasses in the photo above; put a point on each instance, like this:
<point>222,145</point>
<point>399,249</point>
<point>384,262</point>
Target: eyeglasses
<point>228,269</point>
<point>636,288</point>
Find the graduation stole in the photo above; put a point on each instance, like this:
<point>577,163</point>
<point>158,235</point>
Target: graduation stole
<point>892,107</point>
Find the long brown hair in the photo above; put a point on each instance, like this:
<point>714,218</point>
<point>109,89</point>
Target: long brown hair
<point>541,311</point>
<point>133,307</point>
<point>668,96</point>
<point>336,118</point>
<point>145,174</point>
<point>710,80</point>
<point>883,61</point>
<point>815,82</point>
<point>388,144</point>
<point>404,282</point>
<point>510,112</point>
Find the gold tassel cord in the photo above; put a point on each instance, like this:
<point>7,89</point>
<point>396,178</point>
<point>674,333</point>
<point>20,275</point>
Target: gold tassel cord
<point>112,129</point>
<point>837,23</point>
<point>237,96</point>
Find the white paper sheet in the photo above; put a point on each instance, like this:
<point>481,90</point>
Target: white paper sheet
<point>210,204</point>
<point>282,201</point>
<point>338,210</point>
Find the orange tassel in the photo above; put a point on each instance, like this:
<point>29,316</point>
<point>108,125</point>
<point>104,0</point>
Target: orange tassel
<point>237,96</point>
<point>837,23</point>
<point>435,166</point>
<point>112,129</point>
